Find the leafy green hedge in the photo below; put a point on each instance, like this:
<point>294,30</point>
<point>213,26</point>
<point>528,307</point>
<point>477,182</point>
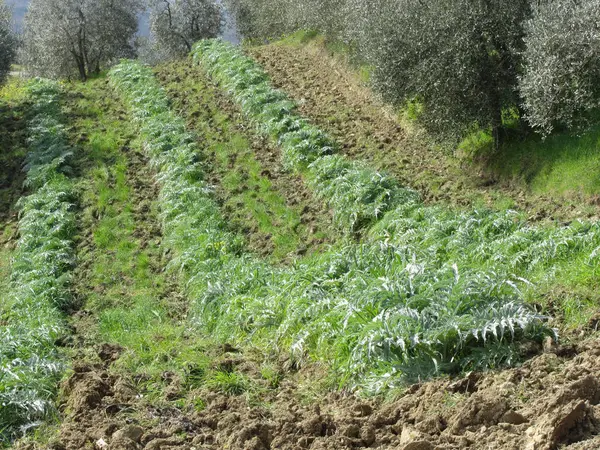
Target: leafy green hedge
<point>358,194</point>
<point>32,317</point>
<point>428,291</point>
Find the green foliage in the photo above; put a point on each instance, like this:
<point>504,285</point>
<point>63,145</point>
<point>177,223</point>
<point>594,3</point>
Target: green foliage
<point>561,81</point>
<point>255,196</point>
<point>459,58</point>
<point>30,365</point>
<point>66,38</point>
<point>465,61</point>
<point>357,194</point>
<point>8,41</point>
<point>560,166</point>
<point>132,302</point>
<point>428,291</point>
<point>230,383</point>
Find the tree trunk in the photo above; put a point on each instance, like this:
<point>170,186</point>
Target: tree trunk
<point>497,131</point>
<point>81,68</point>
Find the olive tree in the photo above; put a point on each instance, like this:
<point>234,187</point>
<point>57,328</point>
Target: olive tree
<point>63,38</point>
<point>264,19</point>
<point>561,81</point>
<point>177,24</point>
<point>458,58</point>
<point>8,41</point>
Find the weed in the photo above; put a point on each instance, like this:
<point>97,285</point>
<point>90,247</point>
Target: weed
<point>230,383</point>
<point>271,375</point>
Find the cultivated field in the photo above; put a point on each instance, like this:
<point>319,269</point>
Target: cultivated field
<point>246,249</point>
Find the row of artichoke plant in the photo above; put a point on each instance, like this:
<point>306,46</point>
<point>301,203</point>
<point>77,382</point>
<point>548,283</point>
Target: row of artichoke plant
<point>32,312</point>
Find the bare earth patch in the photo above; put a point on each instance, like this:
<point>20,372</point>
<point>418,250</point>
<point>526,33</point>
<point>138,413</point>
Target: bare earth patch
<point>549,402</point>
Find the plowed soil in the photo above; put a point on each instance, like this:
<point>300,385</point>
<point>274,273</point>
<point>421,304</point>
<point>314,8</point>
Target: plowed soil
<point>329,93</point>
<point>552,401</point>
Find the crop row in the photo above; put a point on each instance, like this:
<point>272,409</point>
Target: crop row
<point>474,240</point>
<point>427,291</point>
<point>357,194</point>
<point>32,313</point>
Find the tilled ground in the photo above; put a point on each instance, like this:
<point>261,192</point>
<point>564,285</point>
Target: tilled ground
<point>552,401</point>
<point>328,93</point>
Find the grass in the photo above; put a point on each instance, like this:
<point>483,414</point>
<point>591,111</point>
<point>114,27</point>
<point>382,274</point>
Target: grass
<point>562,165</point>
<point>429,291</point>
<point>231,383</point>
<point>134,302</point>
<point>32,312</point>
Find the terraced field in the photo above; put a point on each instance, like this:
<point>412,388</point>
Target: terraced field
<point>197,264</point>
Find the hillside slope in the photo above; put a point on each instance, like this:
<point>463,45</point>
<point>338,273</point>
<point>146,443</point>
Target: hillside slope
<point>228,292</point>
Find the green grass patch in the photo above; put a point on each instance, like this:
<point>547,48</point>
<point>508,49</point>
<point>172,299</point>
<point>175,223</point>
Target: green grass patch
<point>230,383</point>
<point>562,164</point>
<point>124,285</point>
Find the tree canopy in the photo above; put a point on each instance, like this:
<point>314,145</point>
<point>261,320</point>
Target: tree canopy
<point>63,38</point>
<point>177,24</point>
<point>8,41</point>
<point>464,63</point>
<point>561,81</point>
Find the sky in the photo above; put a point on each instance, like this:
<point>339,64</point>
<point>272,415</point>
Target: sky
<point>20,7</point>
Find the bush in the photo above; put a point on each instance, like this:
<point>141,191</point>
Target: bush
<point>561,81</point>
<point>457,57</point>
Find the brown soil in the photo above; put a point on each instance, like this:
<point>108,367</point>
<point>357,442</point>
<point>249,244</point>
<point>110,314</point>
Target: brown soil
<point>329,93</point>
<point>550,402</point>
<point>189,88</point>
